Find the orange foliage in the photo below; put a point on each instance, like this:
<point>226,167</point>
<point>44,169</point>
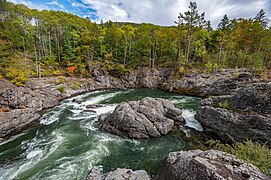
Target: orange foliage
<point>71,70</point>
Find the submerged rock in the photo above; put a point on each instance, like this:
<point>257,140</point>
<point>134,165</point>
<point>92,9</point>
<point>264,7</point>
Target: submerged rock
<point>205,165</point>
<point>77,100</point>
<point>243,115</point>
<point>118,174</point>
<point>150,117</point>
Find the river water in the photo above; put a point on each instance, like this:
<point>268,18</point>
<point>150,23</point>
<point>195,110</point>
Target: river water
<point>66,142</point>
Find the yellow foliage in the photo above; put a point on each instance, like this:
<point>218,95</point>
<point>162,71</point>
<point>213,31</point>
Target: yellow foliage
<point>57,73</point>
<point>181,70</point>
<point>16,76</point>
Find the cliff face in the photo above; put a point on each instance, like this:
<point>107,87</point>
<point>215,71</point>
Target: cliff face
<point>19,106</point>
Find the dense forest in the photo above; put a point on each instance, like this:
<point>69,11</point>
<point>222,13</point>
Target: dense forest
<point>51,43</point>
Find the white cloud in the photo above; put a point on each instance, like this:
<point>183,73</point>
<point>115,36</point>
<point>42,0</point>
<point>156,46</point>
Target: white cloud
<point>30,4</point>
<point>165,12</point>
<point>57,4</point>
<point>161,12</point>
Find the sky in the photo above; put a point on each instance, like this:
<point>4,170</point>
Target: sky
<point>159,12</point>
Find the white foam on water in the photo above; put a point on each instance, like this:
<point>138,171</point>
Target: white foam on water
<point>12,138</point>
<point>177,101</point>
<point>190,119</point>
<point>34,155</point>
<point>71,167</point>
<point>50,117</point>
<point>98,99</point>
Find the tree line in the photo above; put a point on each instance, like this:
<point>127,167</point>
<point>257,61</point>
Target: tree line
<point>45,43</point>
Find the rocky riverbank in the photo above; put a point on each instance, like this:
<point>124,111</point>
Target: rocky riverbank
<point>19,106</point>
<point>244,115</point>
<point>240,108</point>
<point>193,165</point>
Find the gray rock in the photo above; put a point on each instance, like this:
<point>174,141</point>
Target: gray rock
<point>127,174</point>
<point>243,115</point>
<point>95,174</point>
<point>203,85</point>
<point>206,165</point>
<point>93,106</point>
<point>142,119</point>
<point>118,174</point>
<point>78,101</point>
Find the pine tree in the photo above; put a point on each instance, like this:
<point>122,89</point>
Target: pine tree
<point>224,23</point>
<point>261,17</point>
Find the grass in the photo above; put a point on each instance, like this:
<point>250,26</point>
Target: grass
<point>254,153</point>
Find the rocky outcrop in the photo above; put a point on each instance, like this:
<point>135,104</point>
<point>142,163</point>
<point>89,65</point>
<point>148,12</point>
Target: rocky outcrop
<point>243,115</point>
<point>205,165</point>
<point>19,106</point>
<point>142,119</point>
<point>224,82</point>
<point>118,174</point>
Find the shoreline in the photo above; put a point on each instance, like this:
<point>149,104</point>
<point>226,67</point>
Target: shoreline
<point>44,93</point>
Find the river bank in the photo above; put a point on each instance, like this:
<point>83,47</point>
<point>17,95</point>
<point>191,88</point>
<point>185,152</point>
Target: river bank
<point>20,106</point>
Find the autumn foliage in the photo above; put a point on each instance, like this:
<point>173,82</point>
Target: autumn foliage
<point>71,70</point>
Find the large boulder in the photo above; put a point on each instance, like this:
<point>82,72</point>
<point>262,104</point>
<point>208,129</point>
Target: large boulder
<point>205,165</point>
<point>150,117</point>
<point>118,174</point>
<point>243,115</point>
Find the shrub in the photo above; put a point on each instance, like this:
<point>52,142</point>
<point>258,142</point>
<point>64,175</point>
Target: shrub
<point>224,105</point>
<point>61,89</point>
<point>57,73</point>
<point>254,153</point>
<point>16,76</point>
<point>61,79</point>
<point>71,70</point>
<point>181,70</point>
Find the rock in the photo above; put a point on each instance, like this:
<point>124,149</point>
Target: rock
<point>243,115</point>
<point>77,100</point>
<point>127,174</point>
<point>90,110</point>
<point>95,174</point>
<point>148,118</point>
<point>224,83</point>
<point>16,119</point>
<point>92,106</point>
<point>118,174</point>
<point>245,77</point>
<point>205,165</point>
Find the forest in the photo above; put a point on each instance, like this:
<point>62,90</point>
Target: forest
<point>52,43</point>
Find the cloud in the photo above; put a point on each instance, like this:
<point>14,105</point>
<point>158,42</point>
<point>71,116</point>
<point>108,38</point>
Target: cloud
<point>160,12</point>
<point>30,4</point>
<point>57,4</point>
<point>165,12</point>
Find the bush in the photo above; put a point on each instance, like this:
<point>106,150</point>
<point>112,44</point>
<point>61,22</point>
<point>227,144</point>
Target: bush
<point>16,76</point>
<point>61,89</point>
<point>254,153</point>
<point>224,105</point>
<point>61,79</point>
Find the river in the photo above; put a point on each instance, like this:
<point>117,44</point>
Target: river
<point>66,142</point>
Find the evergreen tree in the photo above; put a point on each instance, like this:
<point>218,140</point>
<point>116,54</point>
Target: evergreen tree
<point>224,23</point>
<point>261,17</point>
